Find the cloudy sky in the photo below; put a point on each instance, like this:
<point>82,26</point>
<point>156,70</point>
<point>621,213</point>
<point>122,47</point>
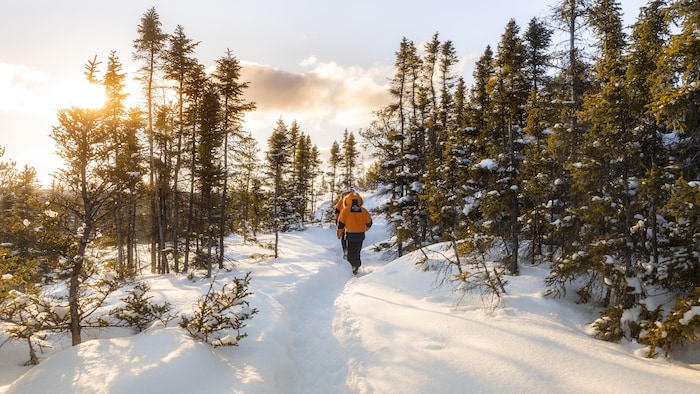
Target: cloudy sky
<point>322,63</point>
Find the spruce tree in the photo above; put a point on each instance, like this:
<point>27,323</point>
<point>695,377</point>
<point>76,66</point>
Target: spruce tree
<point>82,142</point>
<point>198,84</point>
<point>605,182</point>
<point>278,159</point>
<point>334,162</point>
<point>350,155</point>
<point>124,127</point>
<point>675,103</point>
<point>227,79</point>
<point>178,60</point>
<point>148,47</point>
<point>567,88</point>
<point>648,38</point>
<point>537,176</point>
<point>508,89</point>
<point>442,176</point>
<point>210,171</point>
<point>400,136</point>
<point>244,177</point>
<point>677,88</point>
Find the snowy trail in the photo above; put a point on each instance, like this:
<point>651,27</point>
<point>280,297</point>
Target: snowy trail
<point>317,359</point>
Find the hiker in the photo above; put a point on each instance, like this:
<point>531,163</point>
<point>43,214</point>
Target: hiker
<point>338,208</point>
<point>353,221</point>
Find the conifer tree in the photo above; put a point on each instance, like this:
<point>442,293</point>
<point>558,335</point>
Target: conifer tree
<point>82,142</point>
<point>197,86</point>
<point>350,155</point>
<point>648,38</point>
<point>442,178</point>
<point>164,130</point>
<point>480,99</point>
<point>604,182</point>
<point>398,138</point>
<point>278,160</point>
<point>677,88</point>
<point>334,162</point>
<point>508,89</point>
<point>303,174</point>
<point>227,79</point>
<point>675,103</point>
<point>537,179</point>
<point>20,210</point>
<point>244,177</point>
<point>209,171</point>
<point>125,172</point>
<point>178,62</point>
<point>537,176</point>
<point>567,89</point>
<point>148,47</point>
<point>315,191</point>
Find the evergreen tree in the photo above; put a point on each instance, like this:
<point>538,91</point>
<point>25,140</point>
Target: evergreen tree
<point>537,176</point>
<point>303,173</point>
<point>20,211</point>
<point>675,101</point>
<point>350,155</point>
<point>148,48</point>
<point>648,38</point>
<point>210,172</point>
<point>278,160</point>
<point>567,89</point>
<point>677,88</point>
<point>227,79</point>
<point>82,142</point>
<point>178,61</point>
<point>442,177</point>
<point>334,162</point>
<point>164,152</point>
<point>604,182</point>
<point>398,139</point>
<point>197,86</point>
<point>245,163</point>
<point>509,90</point>
<point>123,127</point>
<point>479,98</point>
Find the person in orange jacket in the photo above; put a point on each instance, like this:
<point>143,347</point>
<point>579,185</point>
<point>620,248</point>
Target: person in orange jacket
<point>338,208</point>
<point>341,203</point>
<point>354,220</point>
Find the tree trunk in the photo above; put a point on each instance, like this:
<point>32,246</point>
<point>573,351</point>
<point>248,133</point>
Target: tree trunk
<point>222,221</point>
<point>74,280</point>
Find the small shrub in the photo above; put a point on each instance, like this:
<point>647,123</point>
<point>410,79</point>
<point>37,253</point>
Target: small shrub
<point>219,316</point>
<point>680,327</point>
<point>139,312</point>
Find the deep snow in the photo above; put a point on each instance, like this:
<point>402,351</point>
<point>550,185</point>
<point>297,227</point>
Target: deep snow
<point>391,329</point>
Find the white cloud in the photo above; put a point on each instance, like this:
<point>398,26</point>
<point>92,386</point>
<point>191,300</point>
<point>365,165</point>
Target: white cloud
<point>309,61</point>
<point>20,87</point>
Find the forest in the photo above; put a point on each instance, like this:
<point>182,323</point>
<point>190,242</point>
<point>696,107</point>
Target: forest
<point>585,158</point>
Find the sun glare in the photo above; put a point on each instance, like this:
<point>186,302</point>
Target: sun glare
<point>83,94</point>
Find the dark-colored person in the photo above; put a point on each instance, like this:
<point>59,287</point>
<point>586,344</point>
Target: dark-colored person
<point>354,220</point>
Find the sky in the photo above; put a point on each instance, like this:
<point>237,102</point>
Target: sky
<point>320,329</point>
<point>324,64</point>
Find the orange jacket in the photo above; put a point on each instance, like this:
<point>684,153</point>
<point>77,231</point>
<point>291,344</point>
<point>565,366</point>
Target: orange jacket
<point>340,204</point>
<point>354,220</point>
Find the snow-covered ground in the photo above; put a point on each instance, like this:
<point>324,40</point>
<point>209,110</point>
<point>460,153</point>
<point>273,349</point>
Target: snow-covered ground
<point>320,329</point>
